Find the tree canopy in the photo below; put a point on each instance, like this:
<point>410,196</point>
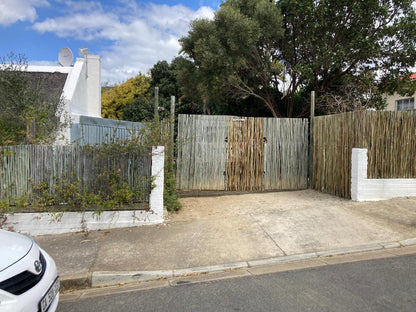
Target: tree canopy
<point>276,50</point>
<point>329,42</point>
<point>115,99</point>
<point>234,54</point>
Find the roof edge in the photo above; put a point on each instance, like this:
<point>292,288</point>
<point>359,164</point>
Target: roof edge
<point>49,69</point>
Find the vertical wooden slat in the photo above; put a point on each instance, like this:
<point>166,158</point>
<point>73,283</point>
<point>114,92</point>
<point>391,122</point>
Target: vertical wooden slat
<point>390,138</point>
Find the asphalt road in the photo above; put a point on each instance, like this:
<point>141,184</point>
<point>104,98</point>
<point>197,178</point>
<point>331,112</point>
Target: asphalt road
<point>374,285</point>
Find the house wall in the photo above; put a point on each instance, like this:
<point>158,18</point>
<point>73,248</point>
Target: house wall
<point>93,85</point>
<point>391,101</point>
<point>82,90</point>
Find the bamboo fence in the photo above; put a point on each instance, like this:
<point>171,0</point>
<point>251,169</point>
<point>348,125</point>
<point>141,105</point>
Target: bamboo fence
<point>390,138</point>
<point>241,153</point>
<point>244,161</point>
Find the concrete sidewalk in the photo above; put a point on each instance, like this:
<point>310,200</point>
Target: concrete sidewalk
<point>233,231</point>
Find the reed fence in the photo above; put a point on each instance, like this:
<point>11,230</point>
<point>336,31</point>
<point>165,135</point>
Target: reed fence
<point>241,153</point>
<point>23,167</point>
<point>390,138</point>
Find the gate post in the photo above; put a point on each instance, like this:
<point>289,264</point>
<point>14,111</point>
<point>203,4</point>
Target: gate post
<point>157,172</point>
<point>311,140</point>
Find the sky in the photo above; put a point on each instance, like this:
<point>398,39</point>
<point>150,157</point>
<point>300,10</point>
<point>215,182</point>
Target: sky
<point>130,36</point>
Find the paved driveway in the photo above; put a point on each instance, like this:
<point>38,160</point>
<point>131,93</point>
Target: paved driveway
<point>301,221</point>
<point>227,229</point>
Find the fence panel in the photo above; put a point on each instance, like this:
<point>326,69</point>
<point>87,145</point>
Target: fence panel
<point>390,138</point>
<point>285,153</point>
<point>93,130</point>
<point>202,152</point>
<point>271,153</point>
<point>21,167</point>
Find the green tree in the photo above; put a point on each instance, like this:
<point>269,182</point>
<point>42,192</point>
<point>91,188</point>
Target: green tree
<point>164,77</point>
<point>235,54</point>
<point>142,109</point>
<point>30,113</point>
<point>116,98</point>
<point>332,45</point>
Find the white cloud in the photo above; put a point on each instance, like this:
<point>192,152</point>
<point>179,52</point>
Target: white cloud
<point>78,26</point>
<point>12,11</point>
<point>139,35</point>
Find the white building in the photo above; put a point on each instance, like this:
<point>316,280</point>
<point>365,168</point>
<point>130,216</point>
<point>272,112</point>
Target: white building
<point>397,102</point>
<point>80,88</point>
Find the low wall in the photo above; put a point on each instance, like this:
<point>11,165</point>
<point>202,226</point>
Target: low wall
<point>66,222</point>
<point>363,189</point>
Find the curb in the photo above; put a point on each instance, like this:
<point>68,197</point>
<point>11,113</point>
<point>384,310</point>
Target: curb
<point>76,281</point>
<point>112,278</point>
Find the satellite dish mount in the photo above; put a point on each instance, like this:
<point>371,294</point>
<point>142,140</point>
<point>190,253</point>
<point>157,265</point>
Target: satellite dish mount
<point>84,52</point>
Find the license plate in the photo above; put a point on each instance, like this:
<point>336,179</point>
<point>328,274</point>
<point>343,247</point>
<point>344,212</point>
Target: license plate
<point>49,296</point>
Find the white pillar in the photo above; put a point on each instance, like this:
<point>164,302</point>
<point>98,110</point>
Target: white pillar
<point>359,160</point>
<point>156,195</point>
<point>93,72</point>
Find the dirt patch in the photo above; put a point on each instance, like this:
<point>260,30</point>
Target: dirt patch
<point>230,205</point>
<point>398,215</point>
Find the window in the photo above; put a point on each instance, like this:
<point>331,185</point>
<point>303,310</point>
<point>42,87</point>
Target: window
<point>406,104</point>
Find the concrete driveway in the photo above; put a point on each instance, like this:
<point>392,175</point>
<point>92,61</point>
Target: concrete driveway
<point>297,222</point>
<point>217,230</point>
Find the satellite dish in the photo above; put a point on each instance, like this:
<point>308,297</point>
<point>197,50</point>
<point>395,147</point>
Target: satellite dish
<point>65,57</point>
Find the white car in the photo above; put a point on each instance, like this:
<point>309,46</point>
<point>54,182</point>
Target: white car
<point>28,275</point>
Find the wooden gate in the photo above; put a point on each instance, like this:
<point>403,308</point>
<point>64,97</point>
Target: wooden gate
<point>244,169</point>
<point>241,153</point>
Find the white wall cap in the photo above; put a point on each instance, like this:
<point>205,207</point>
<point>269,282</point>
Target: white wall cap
<point>49,69</point>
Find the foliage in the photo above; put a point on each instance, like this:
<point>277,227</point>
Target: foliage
<point>142,109</point>
<point>164,76</point>
<point>352,95</point>
<point>70,194</point>
<point>276,50</point>
<point>109,189</point>
<point>235,54</point>
<point>29,114</point>
<point>331,45</point>
<point>118,97</point>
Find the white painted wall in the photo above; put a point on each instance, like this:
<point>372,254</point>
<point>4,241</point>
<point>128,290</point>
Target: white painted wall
<point>82,90</point>
<point>363,189</point>
<point>58,223</point>
<point>93,86</point>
